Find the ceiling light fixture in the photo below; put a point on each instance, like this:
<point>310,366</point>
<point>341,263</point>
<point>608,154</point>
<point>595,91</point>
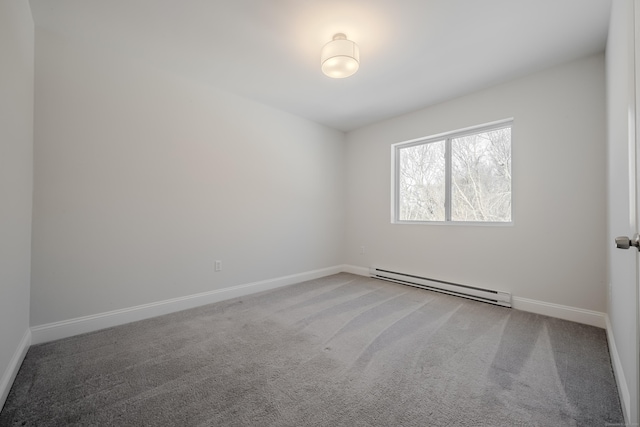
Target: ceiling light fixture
<point>340,57</point>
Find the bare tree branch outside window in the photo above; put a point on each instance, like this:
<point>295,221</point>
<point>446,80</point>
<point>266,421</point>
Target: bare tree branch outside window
<point>422,182</point>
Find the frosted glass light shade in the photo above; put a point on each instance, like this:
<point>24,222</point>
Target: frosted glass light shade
<point>340,57</point>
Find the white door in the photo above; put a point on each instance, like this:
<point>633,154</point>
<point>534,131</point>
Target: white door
<point>623,51</point>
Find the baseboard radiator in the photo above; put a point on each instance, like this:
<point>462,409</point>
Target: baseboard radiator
<point>471,292</point>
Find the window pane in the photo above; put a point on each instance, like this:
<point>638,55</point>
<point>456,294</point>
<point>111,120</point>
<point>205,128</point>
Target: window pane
<point>422,182</point>
<point>481,177</point>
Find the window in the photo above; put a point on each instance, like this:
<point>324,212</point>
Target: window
<point>462,176</point>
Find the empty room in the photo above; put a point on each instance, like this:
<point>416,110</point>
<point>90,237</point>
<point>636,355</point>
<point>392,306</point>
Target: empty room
<point>319,213</point>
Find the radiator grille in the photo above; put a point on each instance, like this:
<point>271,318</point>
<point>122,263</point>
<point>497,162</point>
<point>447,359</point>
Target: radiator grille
<point>471,292</point>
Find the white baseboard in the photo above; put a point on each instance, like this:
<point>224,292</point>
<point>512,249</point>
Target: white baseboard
<point>574,314</point>
<point>623,388</point>
<point>71,327</point>
<point>354,269</point>
<point>14,365</point>
<point>95,322</point>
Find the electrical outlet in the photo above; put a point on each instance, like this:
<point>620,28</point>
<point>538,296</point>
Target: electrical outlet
<point>218,265</point>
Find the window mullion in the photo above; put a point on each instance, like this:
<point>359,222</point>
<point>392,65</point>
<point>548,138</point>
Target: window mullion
<point>447,180</point>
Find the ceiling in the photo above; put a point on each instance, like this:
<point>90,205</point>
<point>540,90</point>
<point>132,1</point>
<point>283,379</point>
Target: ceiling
<point>413,53</point>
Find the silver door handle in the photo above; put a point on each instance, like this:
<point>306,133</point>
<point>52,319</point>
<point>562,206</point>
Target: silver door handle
<point>623,242</point>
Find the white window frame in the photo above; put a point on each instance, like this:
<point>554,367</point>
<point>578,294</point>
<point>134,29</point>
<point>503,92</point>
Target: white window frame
<point>447,137</point>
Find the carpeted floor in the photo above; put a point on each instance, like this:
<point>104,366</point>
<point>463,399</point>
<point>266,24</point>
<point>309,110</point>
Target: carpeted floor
<point>344,350</point>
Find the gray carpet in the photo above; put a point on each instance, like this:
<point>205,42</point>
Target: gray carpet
<point>339,351</point>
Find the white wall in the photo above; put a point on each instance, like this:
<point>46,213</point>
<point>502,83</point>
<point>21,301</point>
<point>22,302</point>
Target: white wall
<point>16,184</point>
<point>554,251</point>
<point>143,180</point>
<point>621,208</point>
